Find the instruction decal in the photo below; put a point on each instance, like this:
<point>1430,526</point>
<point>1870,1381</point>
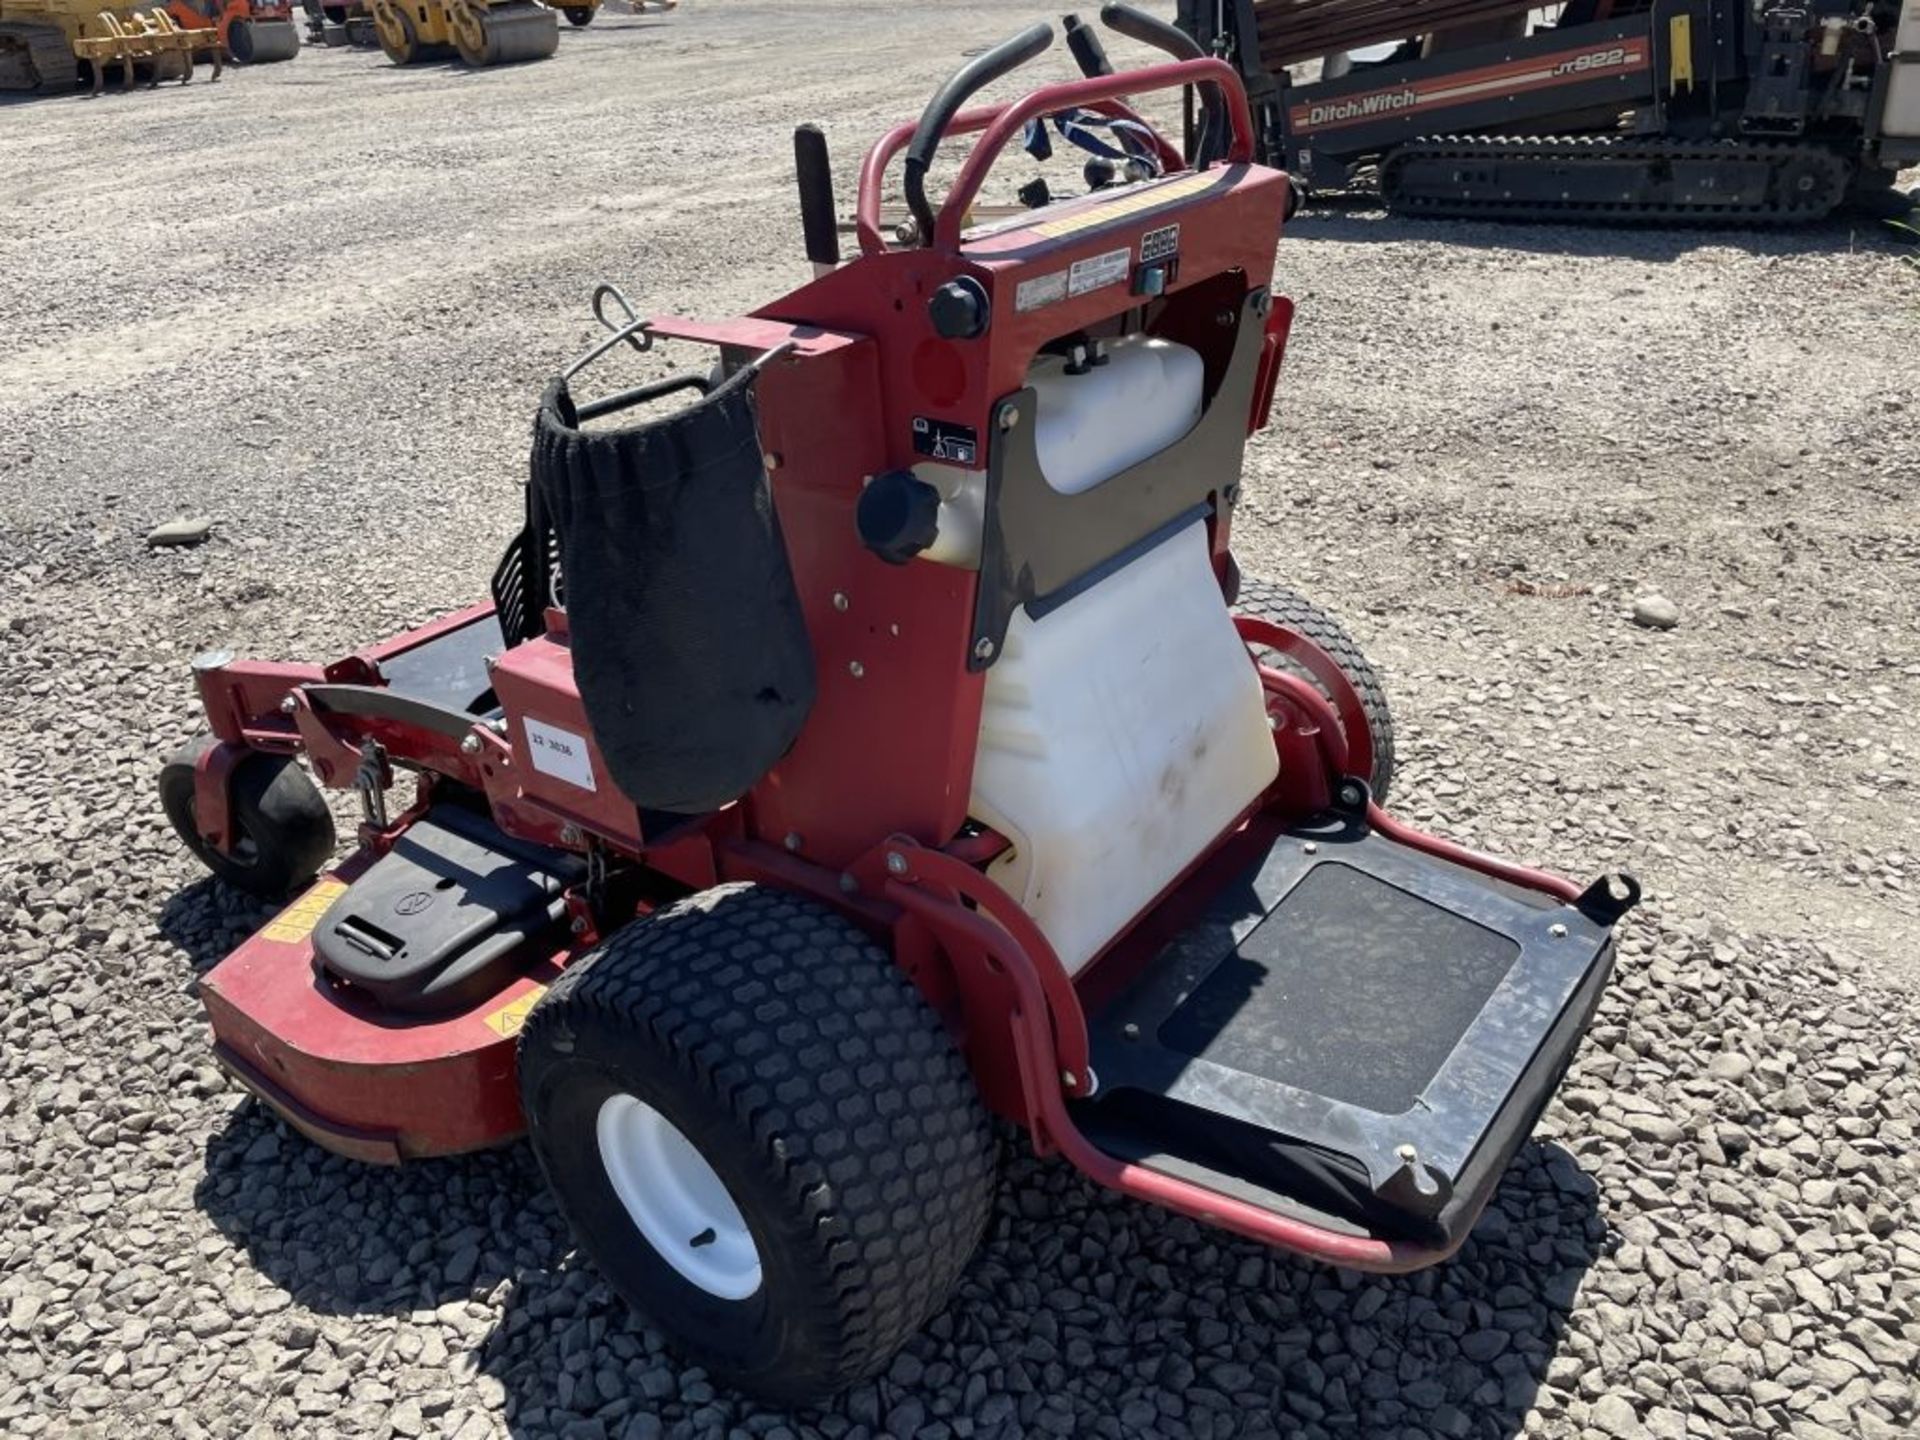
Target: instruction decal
<point>296,922</point>
<point>1096,272</point>
<point>559,753</point>
<point>1044,290</point>
<point>508,1019</point>
<point>945,441</point>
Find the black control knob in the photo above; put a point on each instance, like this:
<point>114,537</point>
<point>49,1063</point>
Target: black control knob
<point>958,309</point>
<point>898,516</point>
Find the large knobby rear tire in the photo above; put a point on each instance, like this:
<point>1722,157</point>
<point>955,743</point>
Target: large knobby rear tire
<point>579,16</point>
<point>282,829</point>
<point>1267,600</point>
<point>751,1068</point>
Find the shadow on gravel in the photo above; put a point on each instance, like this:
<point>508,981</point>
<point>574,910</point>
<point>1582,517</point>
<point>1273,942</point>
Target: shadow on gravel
<point>1358,219</point>
<point>206,920</point>
<point>1083,1314</point>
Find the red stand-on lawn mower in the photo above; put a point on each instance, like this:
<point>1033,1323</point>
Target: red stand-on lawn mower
<point>884,740</point>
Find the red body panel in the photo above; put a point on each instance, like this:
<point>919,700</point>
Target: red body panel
<point>534,682</point>
<point>377,1087</point>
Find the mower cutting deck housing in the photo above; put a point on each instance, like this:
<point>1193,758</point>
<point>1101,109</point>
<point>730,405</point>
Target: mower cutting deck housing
<point>883,739</point>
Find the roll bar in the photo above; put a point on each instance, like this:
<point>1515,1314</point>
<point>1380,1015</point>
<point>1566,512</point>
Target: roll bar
<point>1225,105</point>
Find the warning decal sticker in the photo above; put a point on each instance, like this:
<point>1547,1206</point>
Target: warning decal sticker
<point>1045,290</point>
<point>1139,198</point>
<point>1099,270</point>
<point>508,1019</point>
<point>945,440</point>
<point>296,922</point>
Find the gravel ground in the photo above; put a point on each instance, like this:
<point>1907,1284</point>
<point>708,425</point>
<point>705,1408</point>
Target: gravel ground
<point>316,301</point>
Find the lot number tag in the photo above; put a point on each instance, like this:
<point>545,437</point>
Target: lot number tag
<point>560,753</point>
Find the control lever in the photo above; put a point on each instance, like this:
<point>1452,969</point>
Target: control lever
<point>815,174</point>
<point>1151,30</point>
<point>975,75</point>
<point>1088,53</point>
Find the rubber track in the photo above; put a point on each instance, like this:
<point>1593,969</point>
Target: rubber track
<point>857,1097</point>
<point>1600,150</point>
<point>36,57</point>
<point>1266,600</point>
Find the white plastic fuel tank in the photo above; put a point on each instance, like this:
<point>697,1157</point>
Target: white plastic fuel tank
<point>1143,395</point>
<point>1901,116</point>
<point>1121,734</point>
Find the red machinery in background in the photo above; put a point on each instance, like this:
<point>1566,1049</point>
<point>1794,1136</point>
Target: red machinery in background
<point>884,739</point>
<point>251,32</point>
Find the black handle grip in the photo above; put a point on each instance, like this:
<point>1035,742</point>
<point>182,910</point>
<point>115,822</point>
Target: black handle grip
<point>815,174</point>
<point>1151,30</point>
<point>976,74</point>
<point>1088,53</point>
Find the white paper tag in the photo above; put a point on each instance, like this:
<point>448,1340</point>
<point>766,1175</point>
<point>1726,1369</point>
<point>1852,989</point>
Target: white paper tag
<point>1098,270</point>
<point>560,753</point>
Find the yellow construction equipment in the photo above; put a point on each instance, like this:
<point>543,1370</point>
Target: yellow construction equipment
<point>481,32</point>
<point>148,39</point>
<point>43,42</point>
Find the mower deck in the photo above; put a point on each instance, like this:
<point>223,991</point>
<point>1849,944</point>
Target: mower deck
<point>362,1081</point>
<point>1353,1032</point>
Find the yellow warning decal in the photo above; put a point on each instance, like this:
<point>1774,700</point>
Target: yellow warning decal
<point>1679,53</point>
<point>508,1019</point>
<point>1108,211</point>
<point>296,922</point>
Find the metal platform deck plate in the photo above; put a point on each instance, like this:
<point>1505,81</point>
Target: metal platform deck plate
<point>1354,1012</point>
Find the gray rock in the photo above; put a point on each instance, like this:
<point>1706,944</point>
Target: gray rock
<point>1614,1415</point>
<point>1655,612</point>
<point>188,531</point>
<point>1730,1065</point>
<point>1483,1345</point>
<point>1657,1129</point>
<point>23,1311</point>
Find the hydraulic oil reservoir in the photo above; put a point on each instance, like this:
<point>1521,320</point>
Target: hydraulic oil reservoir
<point>1099,416</point>
<point>1121,735</point>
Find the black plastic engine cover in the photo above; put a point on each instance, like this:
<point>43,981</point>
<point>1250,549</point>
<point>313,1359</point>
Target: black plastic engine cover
<point>445,917</point>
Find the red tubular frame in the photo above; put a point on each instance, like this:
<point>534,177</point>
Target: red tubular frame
<point>1010,119</point>
<point>1298,692</point>
<point>873,169</point>
<point>1043,1087</point>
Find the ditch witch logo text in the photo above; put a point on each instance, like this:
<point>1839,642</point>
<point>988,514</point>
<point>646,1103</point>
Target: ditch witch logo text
<point>1381,104</point>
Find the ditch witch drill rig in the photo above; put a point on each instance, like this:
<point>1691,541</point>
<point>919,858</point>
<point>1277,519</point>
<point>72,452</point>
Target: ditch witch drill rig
<point>1757,112</point>
<point>883,740</point>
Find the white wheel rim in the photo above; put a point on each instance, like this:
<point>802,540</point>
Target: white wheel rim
<point>676,1199</point>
